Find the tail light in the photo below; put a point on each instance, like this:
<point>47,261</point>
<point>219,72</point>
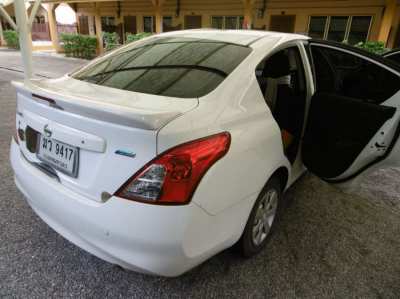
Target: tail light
<point>172,177</point>
<point>15,136</point>
<point>19,135</point>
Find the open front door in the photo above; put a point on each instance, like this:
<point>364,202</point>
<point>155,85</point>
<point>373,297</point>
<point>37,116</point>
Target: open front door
<point>353,118</point>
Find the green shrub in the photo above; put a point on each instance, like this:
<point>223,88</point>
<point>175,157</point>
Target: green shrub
<point>111,40</point>
<point>373,47</point>
<point>12,39</point>
<point>78,45</point>
<point>134,37</point>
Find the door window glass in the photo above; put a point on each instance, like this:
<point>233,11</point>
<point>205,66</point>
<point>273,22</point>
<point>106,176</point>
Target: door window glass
<point>348,75</point>
<point>395,57</point>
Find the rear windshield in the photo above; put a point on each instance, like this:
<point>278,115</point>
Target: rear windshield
<point>175,67</point>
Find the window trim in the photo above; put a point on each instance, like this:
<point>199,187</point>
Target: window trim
<point>348,24</point>
<point>392,53</point>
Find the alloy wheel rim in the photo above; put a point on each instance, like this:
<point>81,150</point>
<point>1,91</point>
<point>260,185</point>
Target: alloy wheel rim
<point>265,216</point>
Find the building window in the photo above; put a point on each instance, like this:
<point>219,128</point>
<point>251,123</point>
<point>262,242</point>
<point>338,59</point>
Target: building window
<point>337,28</point>
<point>107,21</point>
<point>353,29</point>
<point>231,22</point>
<point>359,29</point>
<point>227,22</point>
<point>108,24</point>
<point>317,27</point>
<point>39,20</point>
<point>217,22</point>
<point>167,21</point>
<point>148,24</point>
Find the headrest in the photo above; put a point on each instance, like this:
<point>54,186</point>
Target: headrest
<point>277,66</point>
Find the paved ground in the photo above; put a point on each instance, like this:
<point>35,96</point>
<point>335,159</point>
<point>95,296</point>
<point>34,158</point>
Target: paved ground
<point>328,244</point>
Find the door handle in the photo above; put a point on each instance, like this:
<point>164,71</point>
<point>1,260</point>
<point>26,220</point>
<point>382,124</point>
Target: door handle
<point>380,146</point>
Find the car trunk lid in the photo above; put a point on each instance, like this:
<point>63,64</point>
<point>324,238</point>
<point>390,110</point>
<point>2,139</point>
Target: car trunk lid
<point>113,131</point>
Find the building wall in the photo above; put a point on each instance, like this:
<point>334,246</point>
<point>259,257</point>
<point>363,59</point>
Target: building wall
<point>304,9</point>
<point>394,37</point>
<point>207,8</point>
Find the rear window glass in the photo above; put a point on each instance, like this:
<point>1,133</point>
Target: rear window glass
<point>175,67</point>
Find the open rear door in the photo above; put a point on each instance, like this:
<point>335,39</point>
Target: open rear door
<point>353,119</point>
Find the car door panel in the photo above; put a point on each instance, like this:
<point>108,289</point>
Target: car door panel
<point>354,115</point>
<point>331,143</point>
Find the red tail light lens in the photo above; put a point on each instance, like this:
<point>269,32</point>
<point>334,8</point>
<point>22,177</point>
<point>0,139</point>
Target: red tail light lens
<point>173,176</point>
<point>15,136</point>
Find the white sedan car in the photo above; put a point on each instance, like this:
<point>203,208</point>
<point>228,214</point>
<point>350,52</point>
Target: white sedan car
<point>166,151</point>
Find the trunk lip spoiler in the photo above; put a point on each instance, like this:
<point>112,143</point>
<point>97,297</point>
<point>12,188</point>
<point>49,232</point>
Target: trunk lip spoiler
<point>147,119</point>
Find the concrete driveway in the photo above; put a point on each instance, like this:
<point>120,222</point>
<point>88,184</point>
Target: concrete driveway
<point>327,244</point>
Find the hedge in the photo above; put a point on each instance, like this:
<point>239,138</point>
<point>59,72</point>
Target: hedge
<point>79,45</point>
<point>373,47</point>
<point>134,37</point>
<point>11,38</point>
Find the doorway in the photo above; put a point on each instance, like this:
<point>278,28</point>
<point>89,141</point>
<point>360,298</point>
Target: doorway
<point>83,25</point>
<point>192,22</point>
<point>130,24</point>
<point>282,23</point>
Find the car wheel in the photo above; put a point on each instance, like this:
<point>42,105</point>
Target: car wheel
<point>262,219</point>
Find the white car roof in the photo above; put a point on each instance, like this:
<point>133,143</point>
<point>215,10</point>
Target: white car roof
<point>241,37</point>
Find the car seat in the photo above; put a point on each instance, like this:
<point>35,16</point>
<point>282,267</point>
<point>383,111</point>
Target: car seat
<point>279,94</point>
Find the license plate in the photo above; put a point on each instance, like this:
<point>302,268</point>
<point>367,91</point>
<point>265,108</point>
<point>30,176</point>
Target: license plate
<point>61,156</point>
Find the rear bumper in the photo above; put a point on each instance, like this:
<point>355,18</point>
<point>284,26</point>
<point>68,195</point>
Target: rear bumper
<point>161,240</point>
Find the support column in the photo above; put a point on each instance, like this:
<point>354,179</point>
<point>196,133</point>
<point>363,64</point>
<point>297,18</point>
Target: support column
<point>387,21</point>
<point>248,14</point>
<point>158,13</point>
<point>99,31</point>
<point>51,13</point>
<point>25,37</point>
<point>2,42</point>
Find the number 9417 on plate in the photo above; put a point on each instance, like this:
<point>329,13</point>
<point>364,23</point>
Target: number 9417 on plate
<point>60,155</point>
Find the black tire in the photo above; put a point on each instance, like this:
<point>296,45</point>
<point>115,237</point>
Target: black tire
<point>246,245</point>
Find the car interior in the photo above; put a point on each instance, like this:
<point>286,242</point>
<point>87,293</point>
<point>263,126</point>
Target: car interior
<point>282,82</point>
